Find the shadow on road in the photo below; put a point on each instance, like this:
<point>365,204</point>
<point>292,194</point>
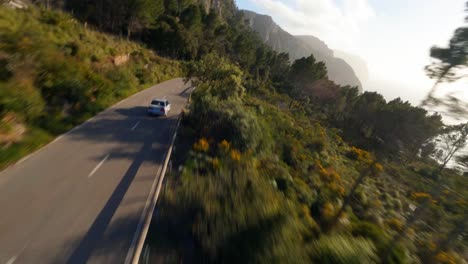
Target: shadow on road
<point>148,143</point>
<point>95,233</point>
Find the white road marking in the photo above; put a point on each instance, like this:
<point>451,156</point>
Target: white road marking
<point>12,260</point>
<point>135,126</point>
<point>23,159</point>
<point>98,166</point>
<point>57,138</point>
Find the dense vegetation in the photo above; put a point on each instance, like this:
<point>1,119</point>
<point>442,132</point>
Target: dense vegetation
<point>279,164</point>
<point>275,163</point>
<point>55,73</point>
<point>265,182</point>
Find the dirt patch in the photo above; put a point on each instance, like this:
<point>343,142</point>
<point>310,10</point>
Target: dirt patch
<point>11,130</point>
<point>121,59</point>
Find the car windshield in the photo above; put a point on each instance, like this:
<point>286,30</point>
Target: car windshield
<point>158,103</point>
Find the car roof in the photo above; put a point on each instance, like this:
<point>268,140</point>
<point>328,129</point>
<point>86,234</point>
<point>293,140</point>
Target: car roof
<point>160,99</point>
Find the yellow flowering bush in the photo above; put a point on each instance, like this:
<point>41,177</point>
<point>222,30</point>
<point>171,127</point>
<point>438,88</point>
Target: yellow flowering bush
<point>359,154</point>
<point>422,196</point>
<point>201,145</point>
<point>235,155</point>
<point>461,202</point>
<point>215,163</point>
<point>377,168</point>
<point>331,178</point>
<point>445,258</point>
<point>336,188</point>
<point>377,204</point>
<point>328,210</point>
<point>395,224</point>
<point>410,232</point>
<point>431,245</point>
<point>224,146</point>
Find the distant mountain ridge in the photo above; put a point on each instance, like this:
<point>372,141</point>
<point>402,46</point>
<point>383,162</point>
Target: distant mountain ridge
<point>339,70</point>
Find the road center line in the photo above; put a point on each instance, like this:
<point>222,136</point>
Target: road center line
<point>98,166</point>
<point>135,126</point>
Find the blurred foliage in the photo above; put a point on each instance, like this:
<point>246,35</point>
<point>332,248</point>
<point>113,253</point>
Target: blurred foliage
<point>339,249</point>
<point>449,65</point>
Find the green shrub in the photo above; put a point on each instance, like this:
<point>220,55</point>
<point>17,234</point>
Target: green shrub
<point>352,155</point>
<point>95,58</point>
<point>71,48</point>
<point>289,154</point>
<point>34,139</point>
<point>239,217</point>
<point>336,249</point>
<point>50,17</point>
<point>230,121</point>
<point>398,255</point>
<point>397,204</point>
<point>370,231</point>
<point>5,73</point>
<point>21,98</point>
<point>317,145</point>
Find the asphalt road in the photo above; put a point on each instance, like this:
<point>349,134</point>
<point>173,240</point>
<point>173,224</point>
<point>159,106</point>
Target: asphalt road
<point>80,198</point>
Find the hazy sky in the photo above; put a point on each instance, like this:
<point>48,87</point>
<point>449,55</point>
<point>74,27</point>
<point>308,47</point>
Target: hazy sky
<point>393,36</point>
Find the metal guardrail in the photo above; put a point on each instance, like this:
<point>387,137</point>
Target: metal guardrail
<point>136,247</point>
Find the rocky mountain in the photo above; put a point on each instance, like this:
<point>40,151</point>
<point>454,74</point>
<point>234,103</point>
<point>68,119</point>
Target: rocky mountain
<point>359,65</point>
<point>339,70</point>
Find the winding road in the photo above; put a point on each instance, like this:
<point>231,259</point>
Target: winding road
<point>80,199</point>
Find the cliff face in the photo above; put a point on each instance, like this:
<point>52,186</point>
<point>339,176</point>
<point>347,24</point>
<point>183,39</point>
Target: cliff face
<point>359,65</point>
<point>222,7</point>
<point>302,46</point>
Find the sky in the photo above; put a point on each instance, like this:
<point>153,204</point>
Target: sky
<point>392,36</point>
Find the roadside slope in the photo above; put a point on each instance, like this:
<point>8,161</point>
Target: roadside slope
<point>55,73</point>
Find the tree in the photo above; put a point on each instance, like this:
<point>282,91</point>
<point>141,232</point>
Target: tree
<point>191,18</point>
<point>217,77</point>
<point>451,141</point>
<point>447,65</point>
<point>449,59</point>
<point>158,8</point>
<point>172,7</point>
<point>141,14</point>
<point>307,70</point>
<point>392,128</point>
<point>304,72</point>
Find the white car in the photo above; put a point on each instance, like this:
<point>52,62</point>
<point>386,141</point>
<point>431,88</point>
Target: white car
<point>160,107</point>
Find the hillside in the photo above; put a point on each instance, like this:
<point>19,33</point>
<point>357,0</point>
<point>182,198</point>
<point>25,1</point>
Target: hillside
<point>55,73</point>
<point>273,163</point>
<point>302,46</point>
